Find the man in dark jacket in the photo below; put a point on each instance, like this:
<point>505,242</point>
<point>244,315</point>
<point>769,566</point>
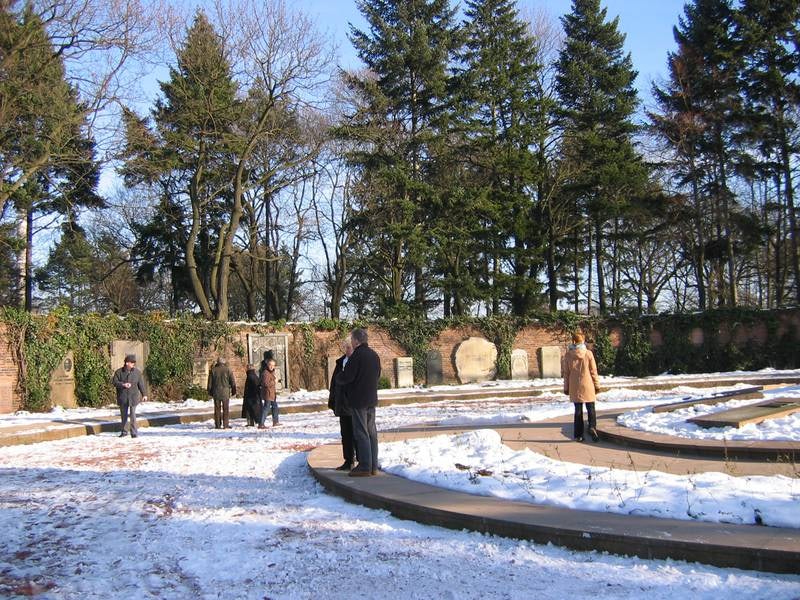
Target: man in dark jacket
<point>129,383</point>
<point>337,402</point>
<point>221,386</point>
<point>359,380</point>
<point>251,403</point>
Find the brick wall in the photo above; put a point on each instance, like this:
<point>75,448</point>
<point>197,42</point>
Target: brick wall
<point>311,373</point>
<point>531,339</point>
<point>9,396</point>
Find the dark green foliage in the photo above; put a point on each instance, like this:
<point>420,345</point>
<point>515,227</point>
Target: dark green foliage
<point>40,343</point>
<point>595,88</point>
<point>398,133</point>
<point>604,352</point>
<point>498,117</point>
<point>197,392</point>
<point>47,160</point>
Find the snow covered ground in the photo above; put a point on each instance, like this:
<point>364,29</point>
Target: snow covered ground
<point>478,463</point>
<point>674,423</point>
<point>192,512</point>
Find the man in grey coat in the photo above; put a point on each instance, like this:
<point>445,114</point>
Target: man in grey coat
<point>221,386</point>
<point>131,389</point>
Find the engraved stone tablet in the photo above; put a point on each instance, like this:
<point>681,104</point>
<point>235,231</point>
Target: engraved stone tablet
<point>476,360</point>
<point>121,348</point>
<point>62,383</point>
<point>404,371</point>
<point>6,395</point>
<point>549,361</point>
<point>331,366</point>
<point>273,345</point>
<point>519,364</point>
<point>433,368</point>
<point>200,372</point>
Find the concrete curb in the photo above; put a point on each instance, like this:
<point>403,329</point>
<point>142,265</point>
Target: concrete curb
<point>609,430</point>
<point>770,549</point>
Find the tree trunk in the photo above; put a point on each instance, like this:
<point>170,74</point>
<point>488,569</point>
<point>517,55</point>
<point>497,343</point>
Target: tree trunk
<point>789,193</point>
<point>191,261</point>
<point>601,284</point>
<point>700,251</point>
<point>22,234</point>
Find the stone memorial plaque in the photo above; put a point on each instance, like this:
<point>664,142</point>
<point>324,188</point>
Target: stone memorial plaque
<point>433,368</point>
<point>62,383</point>
<point>200,372</point>
<point>121,348</point>
<point>519,364</point>
<point>331,366</point>
<point>549,361</point>
<point>476,360</point>
<point>404,371</point>
<point>274,345</point>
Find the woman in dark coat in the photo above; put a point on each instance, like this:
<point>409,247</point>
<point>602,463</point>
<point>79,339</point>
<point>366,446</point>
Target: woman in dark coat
<point>251,405</point>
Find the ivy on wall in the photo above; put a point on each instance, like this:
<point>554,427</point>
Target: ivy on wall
<point>39,343</point>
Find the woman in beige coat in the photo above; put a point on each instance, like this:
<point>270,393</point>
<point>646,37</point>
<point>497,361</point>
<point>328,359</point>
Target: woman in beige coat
<point>581,383</point>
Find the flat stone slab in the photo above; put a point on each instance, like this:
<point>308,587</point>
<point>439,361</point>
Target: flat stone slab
<point>771,452</point>
<point>741,394</point>
<point>754,413</point>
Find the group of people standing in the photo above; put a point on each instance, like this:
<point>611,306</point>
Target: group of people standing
<point>353,398</point>
<point>260,393</point>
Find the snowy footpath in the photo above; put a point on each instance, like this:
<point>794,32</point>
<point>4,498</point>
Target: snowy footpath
<point>191,512</point>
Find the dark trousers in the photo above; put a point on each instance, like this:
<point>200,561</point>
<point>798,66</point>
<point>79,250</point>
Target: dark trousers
<point>128,411</point>
<point>366,438</point>
<point>348,442</point>
<point>578,422</point>
<point>221,409</point>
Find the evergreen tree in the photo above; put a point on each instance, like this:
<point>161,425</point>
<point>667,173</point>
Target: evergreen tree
<point>595,86</point>
<point>89,275</point>
<point>677,123</point>
<point>47,163</point>
<point>499,118</point>
<point>400,127</point>
<point>189,157</point>
<point>768,35</point>
<point>705,38</point>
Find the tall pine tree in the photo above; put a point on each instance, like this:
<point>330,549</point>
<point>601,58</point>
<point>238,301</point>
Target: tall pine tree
<point>595,87</point>
<point>768,37</point>
<point>500,115</point>
<point>188,157</point>
<point>399,129</point>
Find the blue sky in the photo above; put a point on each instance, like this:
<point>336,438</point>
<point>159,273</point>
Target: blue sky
<point>647,25</point>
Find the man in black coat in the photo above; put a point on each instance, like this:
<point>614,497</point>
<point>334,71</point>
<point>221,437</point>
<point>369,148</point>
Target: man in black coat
<point>359,381</point>
<point>337,402</point>
<point>221,386</point>
<point>129,383</point>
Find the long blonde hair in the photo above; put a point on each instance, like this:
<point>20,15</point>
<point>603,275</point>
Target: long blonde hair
<point>577,338</point>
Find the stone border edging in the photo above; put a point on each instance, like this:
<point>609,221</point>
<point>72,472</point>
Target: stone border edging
<point>771,549</point>
<point>608,429</point>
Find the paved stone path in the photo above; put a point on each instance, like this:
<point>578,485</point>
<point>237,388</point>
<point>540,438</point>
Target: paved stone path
<point>771,549</point>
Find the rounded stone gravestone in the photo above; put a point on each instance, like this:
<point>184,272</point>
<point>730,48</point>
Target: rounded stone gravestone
<point>519,364</point>
<point>476,360</point>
